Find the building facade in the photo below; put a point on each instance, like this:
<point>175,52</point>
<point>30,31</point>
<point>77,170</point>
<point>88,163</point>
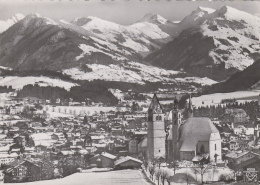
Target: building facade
<point>156,130</point>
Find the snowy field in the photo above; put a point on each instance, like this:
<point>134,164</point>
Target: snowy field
<point>61,111</point>
<point>127,177</point>
<point>132,72</point>
<point>18,82</point>
<point>214,99</point>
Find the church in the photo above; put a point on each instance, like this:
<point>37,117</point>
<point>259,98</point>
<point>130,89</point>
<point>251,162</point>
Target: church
<point>191,140</point>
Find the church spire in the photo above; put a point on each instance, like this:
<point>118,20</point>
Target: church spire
<point>155,106</point>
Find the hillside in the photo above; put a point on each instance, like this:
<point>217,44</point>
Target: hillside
<point>244,80</point>
<point>215,44</point>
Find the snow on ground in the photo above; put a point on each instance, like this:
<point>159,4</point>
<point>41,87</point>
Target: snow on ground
<point>132,72</point>
<point>128,177</point>
<point>245,37</point>
<point>6,68</point>
<point>210,174</point>
<point>18,82</point>
<point>209,10</point>
<point>61,111</point>
<point>87,50</point>
<point>214,99</point>
<point>137,36</point>
<point>117,93</point>
<point>3,96</point>
<point>202,81</point>
<point>43,139</point>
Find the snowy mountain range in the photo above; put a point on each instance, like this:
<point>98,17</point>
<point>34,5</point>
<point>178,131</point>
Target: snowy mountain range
<point>213,43</point>
<point>206,44</point>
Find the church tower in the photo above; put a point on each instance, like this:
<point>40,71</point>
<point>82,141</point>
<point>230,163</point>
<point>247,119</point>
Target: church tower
<point>156,131</point>
<point>176,123</point>
<point>190,109</point>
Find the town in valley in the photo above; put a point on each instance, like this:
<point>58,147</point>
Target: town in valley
<point>153,101</point>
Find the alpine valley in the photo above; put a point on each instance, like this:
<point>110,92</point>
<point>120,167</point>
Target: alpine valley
<point>206,47</point>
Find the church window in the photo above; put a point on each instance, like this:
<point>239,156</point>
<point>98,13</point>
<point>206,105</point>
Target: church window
<point>159,150</point>
<point>215,146</point>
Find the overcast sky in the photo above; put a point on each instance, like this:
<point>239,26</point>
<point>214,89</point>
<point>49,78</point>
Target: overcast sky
<point>119,11</point>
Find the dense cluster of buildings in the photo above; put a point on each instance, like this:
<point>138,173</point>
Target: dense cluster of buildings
<point>36,146</point>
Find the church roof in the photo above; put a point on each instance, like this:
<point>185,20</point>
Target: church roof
<point>195,130</point>
<point>143,143</point>
<point>155,105</point>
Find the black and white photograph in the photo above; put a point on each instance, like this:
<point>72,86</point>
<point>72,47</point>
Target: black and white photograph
<point>129,92</point>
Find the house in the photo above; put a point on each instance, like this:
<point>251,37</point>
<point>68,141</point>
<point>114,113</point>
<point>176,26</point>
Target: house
<point>28,171</point>
<point>240,129</point>
<point>248,170</point>
<point>7,158</point>
<point>238,115</point>
<point>236,157</point>
<point>23,126</point>
<point>233,138</point>
<point>103,160</point>
<point>2,110</point>
<point>127,163</point>
<point>41,148</point>
<point>249,129</point>
<point>20,140</point>
<point>233,145</point>
<point>243,145</point>
<point>57,136</point>
<point>97,139</point>
<point>133,146</point>
<point>64,154</point>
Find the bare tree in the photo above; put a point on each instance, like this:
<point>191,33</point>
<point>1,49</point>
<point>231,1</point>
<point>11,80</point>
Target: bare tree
<point>168,178</point>
<point>158,173</point>
<point>164,174</point>
<point>187,178</point>
<point>151,169</point>
<point>200,170</point>
<point>195,171</point>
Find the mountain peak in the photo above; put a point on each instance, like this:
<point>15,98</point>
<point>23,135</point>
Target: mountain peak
<point>226,9</point>
<point>153,18</point>
<point>18,17</point>
<point>205,9</point>
<point>81,21</point>
<point>197,15</point>
<point>235,14</point>
<point>35,15</point>
<point>4,25</point>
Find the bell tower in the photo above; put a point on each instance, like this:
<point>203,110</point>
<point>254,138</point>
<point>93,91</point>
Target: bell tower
<point>176,123</point>
<point>156,131</point>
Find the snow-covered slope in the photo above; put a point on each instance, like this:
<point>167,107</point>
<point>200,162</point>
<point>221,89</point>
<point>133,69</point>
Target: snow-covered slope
<point>236,37</point>
<point>132,72</point>
<point>5,24</point>
<point>213,43</point>
<point>142,37</point>
<point>18,82</point>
